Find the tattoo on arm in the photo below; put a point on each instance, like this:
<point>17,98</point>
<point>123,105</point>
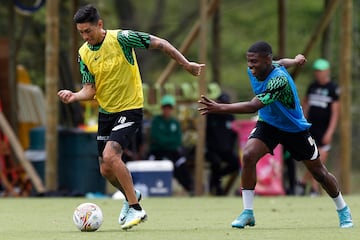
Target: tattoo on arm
<point>116,147</point>
<point>160,46</point>
<point>166,47</point>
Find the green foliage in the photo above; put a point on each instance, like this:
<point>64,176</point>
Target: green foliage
<point>242,23</point>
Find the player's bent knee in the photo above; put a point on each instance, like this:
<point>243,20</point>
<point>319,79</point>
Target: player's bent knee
<point>248,159</point>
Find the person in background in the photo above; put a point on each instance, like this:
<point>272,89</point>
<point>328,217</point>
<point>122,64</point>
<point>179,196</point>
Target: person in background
<point>221,142</point>
<point>321,108</point>
<point>281,121</point>
<point>166,142</point>
<point>289,174</point>
<point>110,74</point>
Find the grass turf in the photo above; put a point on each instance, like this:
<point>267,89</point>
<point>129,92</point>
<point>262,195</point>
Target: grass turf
<point>175,218</point>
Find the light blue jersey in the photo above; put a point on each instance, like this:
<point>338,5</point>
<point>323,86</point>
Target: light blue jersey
<point>282,105</point>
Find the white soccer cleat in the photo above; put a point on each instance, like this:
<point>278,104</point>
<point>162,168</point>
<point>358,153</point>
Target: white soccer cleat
<point>125,208</point>
<point>133,218</point>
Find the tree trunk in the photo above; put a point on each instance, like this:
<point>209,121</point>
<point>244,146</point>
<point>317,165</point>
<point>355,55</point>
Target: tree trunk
<point>52,75</point>
<point>216,49</point>
<point>326,38</point>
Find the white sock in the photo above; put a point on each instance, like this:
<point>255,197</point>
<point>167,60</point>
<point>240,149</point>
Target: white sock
<point>339,202</point>
<point>248,199</point>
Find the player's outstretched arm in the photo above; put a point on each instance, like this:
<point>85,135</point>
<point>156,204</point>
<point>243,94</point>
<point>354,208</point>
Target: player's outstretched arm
<point>211,106</point>
<point>87,92</point>
<point>289,62</point>
<point>163,45</point>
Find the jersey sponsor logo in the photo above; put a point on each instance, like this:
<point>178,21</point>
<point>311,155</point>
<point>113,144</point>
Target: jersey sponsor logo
<point>111,62</point>
<point>322,91</point>
<point>321,101</point>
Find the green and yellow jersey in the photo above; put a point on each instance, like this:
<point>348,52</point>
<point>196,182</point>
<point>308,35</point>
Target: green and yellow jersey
<point>113,68</point>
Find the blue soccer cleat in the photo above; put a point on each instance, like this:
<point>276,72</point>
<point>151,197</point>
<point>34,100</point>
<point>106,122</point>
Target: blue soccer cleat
<point>345,217</point>
<point>125,208</point>
<point>246,218</point>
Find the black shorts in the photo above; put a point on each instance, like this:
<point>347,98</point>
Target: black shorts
<point>119,127</point>
<point>300,144</point>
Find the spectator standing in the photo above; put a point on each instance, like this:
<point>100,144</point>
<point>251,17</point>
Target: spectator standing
<point>166,142</point>
<point>221,143</point>
<point>321,107</point>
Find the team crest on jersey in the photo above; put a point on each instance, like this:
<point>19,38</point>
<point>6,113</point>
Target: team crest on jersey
<point>125,33</point>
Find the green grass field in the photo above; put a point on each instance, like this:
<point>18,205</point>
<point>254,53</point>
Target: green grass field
<point>182,218</point>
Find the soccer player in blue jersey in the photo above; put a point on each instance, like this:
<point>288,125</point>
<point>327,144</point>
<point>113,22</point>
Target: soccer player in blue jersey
<point>281,120</point>
<point>110,74</point>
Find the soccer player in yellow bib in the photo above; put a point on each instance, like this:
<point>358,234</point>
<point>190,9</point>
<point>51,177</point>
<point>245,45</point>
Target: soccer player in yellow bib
<point>110,74</point>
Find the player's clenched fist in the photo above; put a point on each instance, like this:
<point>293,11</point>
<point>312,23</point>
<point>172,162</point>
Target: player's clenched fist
<point>66,96</point>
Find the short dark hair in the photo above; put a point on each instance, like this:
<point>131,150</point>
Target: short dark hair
<point>261,47</point>
<point>87,14</point>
